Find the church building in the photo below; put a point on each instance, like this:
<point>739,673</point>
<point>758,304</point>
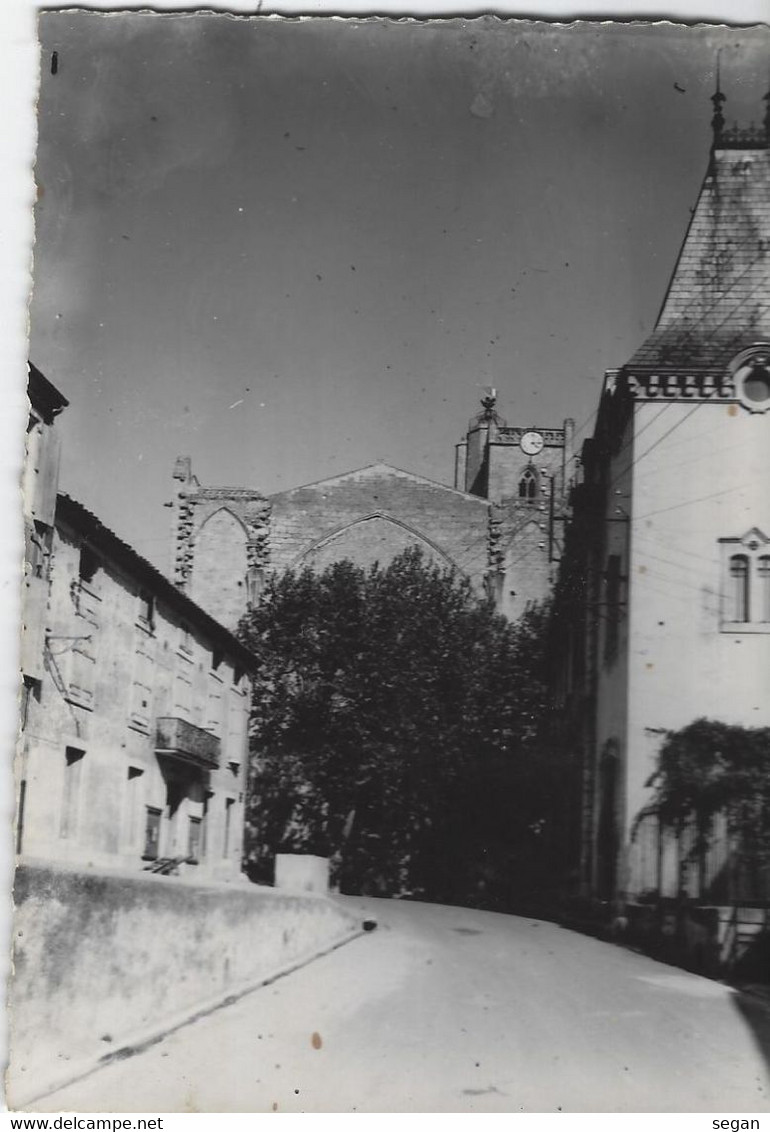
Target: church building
<point>498,525</point>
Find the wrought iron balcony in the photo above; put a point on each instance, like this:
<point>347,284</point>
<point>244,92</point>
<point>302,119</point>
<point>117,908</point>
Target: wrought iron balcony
<point>185,741</point>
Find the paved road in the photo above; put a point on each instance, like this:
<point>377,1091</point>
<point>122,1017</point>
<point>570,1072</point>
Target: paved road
<point>449,1010</point>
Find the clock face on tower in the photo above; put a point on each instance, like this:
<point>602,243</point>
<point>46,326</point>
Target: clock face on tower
<point>531,443</point>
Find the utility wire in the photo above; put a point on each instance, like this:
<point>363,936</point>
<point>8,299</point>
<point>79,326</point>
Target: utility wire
<point>689,502</point>
<point>654,445</point>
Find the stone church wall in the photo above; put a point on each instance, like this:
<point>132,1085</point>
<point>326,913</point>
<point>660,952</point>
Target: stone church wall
<point>375,513</point>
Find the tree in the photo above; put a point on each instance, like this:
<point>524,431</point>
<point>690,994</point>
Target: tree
<point>710,768</point>
<point>395,727</point>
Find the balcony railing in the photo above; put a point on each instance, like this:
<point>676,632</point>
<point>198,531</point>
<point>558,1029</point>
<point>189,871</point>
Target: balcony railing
<point>187,742</point>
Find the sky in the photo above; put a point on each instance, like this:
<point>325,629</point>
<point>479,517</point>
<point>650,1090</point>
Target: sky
<point>292,248</point>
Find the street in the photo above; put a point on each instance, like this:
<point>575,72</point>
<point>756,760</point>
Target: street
<point>451,1010</point>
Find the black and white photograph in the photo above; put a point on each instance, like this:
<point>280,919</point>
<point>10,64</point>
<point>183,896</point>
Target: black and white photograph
<point>395,651</point>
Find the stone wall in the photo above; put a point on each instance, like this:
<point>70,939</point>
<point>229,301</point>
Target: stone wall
<point>220,540</point>
<point>102,959</point>
<point>525,574</point>
<point>219,577</point>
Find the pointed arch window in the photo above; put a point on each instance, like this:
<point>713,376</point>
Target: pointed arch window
<point>529,485</point>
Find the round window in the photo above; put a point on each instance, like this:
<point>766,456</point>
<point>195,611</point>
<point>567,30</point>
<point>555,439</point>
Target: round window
<point>756,384</point>
<point>752,380</point>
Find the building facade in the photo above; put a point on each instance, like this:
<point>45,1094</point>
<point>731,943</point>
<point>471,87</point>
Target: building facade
<point>134,743</point>
<point>663,601</point>
<point>499,525</point>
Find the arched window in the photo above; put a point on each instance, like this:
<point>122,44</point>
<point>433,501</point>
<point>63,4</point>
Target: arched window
<point>763,575</point>
<point>529,488</point>
<point>739,587</point>
<point>746,583</point>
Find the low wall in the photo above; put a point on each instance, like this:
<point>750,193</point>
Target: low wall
<point>729,941</point>
<point>301,872</point>
<point>99,957</point>
<point>720,941</point>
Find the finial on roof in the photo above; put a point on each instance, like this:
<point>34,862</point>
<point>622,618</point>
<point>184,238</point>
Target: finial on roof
<point>182,469</point>
<point>717,98</point>
<point>488,401</point>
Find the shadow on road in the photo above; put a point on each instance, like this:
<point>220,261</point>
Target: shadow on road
<point>755,1012</point>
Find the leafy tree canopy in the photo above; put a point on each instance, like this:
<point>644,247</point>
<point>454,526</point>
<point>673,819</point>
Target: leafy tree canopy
<point>708,768</point>
<point>395,722</point>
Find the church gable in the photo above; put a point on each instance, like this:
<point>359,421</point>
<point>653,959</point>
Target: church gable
<point>361,513</point>
<point>373,473</point>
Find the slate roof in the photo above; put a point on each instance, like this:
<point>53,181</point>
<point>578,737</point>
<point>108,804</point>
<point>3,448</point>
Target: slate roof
<point>718,301</point>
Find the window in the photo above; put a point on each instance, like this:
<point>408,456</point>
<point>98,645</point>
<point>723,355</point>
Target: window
<point>151,833</point>
<point>229,803</point>
<point>739,588</point>
<point>746,583</point>
<point>763,579</point>
<point>20,815</point>
<point>529,488</point>
<point>73,772</point>
<point>88,564</point>
<point>194,840</point>
<point>30,690</point>
<point>82,673</point>
<point>141,690</point>
<point>207,796</point>
<point>182,697</point>
<point>751,374</point>
<point>38,551</point>
<point>214,706</point>
<point>146,613</point>
<point>237,723</point>
<point>756,385</point>
<point>79,649</point>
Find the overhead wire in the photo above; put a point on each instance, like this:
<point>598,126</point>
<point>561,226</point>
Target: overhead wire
<point>654,445</point>
<point>689,502</point>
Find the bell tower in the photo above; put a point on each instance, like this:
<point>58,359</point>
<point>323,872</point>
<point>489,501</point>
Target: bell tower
<point>524,471</point>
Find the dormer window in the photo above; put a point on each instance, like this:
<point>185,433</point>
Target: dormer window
<point>746,583</point>
<point>529,486</point>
